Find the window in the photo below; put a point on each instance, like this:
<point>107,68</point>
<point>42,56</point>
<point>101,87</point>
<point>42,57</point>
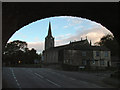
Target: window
<point>102,62</point>
<point>83,53</point>
<point>106,54</point>
<point>93,61</point>
<point>51,44</point>
<point>84,62</point>
<point>97,53</point>
<point>70,61</point>
<point>64,61</point>
<point>67,61</point>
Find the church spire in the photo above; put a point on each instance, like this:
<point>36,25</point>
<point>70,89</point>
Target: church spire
<point>49,30</point>
<point>49,40</point>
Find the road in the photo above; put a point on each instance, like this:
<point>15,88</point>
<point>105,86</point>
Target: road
<point>49,78</point>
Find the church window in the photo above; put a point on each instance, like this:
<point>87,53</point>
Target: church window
<point>70,61</point>
<point>106,54</point>
<point>67,61</point>
<point>83,53</point>
<point>64,61</point>
<point>93,61</point>
<point>84,62</point>
<point>97,53</point>
<point>102,62</point>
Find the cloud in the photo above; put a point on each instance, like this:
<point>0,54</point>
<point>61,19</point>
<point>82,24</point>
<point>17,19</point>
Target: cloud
<point>63,36</point>
<point>66,26</point>
<point>80,27</point>
<point>18,33</point>
<point>36,39</point>
<point>94,34</point>
<point>39,46</point>
<point>72,21</point>
<point>24,36</point>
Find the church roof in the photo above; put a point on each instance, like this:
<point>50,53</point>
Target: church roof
<point>103,48</point>
<point>79,45</point>
<point>75,45</point>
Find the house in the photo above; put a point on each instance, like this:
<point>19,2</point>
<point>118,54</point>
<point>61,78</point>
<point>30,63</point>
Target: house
<point>79,53</point>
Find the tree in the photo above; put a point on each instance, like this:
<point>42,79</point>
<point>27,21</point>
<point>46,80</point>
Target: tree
<point>110,42</point>
<point>17,51</point>
<point>39,56</point>
<point>15,46</point>
<point>14,51</point>
<point>32,55</point>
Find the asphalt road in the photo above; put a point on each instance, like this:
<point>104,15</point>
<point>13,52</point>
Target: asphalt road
<point>49,78</point>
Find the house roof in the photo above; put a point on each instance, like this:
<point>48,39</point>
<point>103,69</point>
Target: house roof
<point>75,45</point>
<point>103,48</point>
<point>79,45</point>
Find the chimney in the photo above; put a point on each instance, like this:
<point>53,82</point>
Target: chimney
<point>86,37</point>
<point>90,43</point>
<point>81,38</point>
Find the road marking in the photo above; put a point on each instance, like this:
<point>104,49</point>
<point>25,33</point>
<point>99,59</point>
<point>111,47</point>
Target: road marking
<point>53,82</point>
<point>72,78</point>
<point>53,72</point>
<point>15,78</point>
<point>60,74</point>
<point>39,75</point>
<point>47,80</point>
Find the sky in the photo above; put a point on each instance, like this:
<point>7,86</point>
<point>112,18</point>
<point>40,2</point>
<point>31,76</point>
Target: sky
<point>64,29</point>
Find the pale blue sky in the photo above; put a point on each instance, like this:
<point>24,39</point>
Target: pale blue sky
<point>64,29</point>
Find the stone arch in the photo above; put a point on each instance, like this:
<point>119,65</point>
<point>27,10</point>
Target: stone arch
<point>17,15</point>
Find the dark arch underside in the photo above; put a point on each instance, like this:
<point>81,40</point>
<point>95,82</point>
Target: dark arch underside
<point>17,15</point>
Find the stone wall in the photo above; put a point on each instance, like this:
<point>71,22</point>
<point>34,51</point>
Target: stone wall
<point>101,58</point>
<point>51,56</point>
<point>75,57</point>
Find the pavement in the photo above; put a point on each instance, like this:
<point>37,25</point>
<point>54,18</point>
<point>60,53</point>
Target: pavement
<point>18,77</point>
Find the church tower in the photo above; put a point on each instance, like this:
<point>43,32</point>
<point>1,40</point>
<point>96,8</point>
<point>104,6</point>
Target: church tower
<point>49,40</point>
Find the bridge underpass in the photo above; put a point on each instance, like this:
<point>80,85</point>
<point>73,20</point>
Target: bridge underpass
<point>17,15</point>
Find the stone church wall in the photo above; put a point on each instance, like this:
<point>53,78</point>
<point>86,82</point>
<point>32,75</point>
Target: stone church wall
<point>75,57</point>
<point>51,56</point>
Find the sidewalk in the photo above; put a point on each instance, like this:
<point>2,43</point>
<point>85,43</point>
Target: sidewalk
<point>112,81</point>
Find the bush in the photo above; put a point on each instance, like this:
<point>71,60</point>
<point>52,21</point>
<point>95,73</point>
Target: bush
<point>69,67</point>
<point>116,74</point>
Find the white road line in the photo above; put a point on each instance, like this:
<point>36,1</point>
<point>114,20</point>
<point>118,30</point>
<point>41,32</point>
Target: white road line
<point>72,78</point>
<point>53,82</point>
<point>39,75</point>
<point>60,74</point>
<point>15,78</point>
<point>63,75</point>
<point>55,73</point>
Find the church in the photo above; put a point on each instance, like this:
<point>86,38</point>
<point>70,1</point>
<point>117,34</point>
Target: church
<point>79,53</point>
